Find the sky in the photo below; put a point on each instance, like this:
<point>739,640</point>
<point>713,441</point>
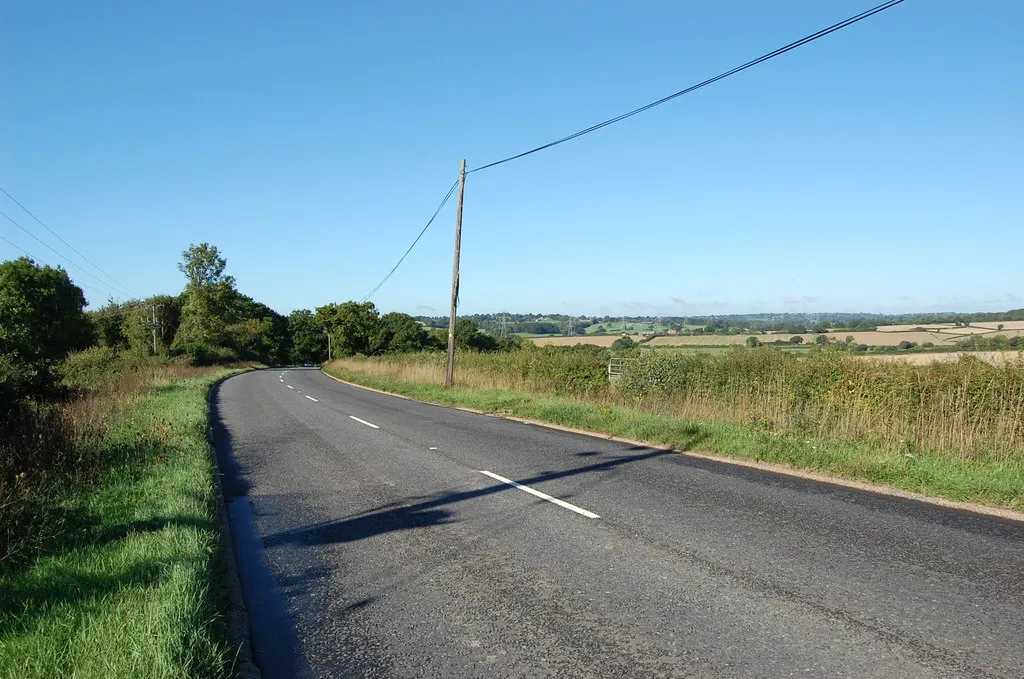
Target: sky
<point>878,169</point>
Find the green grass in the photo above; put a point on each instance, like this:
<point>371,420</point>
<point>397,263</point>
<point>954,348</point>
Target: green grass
<point>132,590</point>
<point>994,482</point>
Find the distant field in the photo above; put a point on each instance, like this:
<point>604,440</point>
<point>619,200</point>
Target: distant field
<point>972,329</point>
<point>870,338</point>
<point>881,339</point>
<point>596,340</point>
<point>616,328</point>
<point>993,357</point>
<point>940,336</point>
<point>1007,325</point>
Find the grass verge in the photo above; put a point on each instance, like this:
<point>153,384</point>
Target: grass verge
<point>992,481</point>
<point>131,590</point>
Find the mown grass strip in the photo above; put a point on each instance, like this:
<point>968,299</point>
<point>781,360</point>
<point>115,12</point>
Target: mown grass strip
<point>134,591</point>
<point>992,482</point>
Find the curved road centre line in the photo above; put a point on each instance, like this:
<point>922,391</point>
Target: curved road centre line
<point>311,398</point>
<point>543,496</point>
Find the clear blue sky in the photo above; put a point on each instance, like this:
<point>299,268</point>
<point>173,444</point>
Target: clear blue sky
<point>878,169</point>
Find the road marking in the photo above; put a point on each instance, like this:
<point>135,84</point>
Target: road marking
<point>433,447</point>
<point>311,398</point>
<point>289,386</point>
<point>543,496</point>
<point>368,424</point>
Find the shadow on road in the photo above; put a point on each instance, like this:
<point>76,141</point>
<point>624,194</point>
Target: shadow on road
<point>431,511</point>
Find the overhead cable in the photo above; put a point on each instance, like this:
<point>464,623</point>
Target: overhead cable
<point>69,245</point>
<point>417,240</point>
<point>60,254</point>
<point>754,62</point>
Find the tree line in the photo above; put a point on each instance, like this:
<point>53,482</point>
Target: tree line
<point>43,319</point>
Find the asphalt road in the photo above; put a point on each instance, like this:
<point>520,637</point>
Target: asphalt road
<point>384,551</point>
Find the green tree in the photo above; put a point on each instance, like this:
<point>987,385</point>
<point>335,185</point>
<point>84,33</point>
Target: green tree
<point>205,313</point>
<point>42,319</point>
<point>623,343</point>
<point>796,339</point>
<point>354,327</point>
<point>400,333</point>
<point>469,336</point>
<point>106,322</point>
<point>821,340</point>
<point>309,340</point>
<point>753,342</point>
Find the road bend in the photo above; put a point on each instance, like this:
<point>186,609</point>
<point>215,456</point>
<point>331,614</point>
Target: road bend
<point>382,537</point>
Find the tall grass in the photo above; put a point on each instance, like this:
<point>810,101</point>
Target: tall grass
<point>966,409</point>
<point>47,448</point>
<point>123,581</point>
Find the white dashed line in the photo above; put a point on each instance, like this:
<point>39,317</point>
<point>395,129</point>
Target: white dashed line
<point>289,386</point>
<point>368,424</point>
<point>544,496</point>
<point>311,398</point>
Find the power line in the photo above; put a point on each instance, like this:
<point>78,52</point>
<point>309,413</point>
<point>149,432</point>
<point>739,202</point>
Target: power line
<point>765,57</point>
<point>69,245</point>
<point>423,231</point>
<point>59,254</point>
<point>36,259</point>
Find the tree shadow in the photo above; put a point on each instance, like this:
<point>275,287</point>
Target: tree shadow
<point>433,510</point>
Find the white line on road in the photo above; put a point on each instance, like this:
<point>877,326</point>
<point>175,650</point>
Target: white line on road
<point>368,424</point>
<point>311,398</point>
<point>543,496</point>
<point>289,386</point>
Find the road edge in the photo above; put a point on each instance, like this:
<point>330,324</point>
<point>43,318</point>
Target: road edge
<point>774,467</point>
<point>239,630</point>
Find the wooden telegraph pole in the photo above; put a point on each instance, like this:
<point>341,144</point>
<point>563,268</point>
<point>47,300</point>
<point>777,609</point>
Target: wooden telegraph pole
<point>449,376</point>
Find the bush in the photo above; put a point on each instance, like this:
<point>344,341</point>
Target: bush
<point>201,353</point>
<point>623,343</point>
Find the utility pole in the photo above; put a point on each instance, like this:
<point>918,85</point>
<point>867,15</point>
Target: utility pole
<point>328,346</point>
<point>154,324</point>
<point>449,376</point>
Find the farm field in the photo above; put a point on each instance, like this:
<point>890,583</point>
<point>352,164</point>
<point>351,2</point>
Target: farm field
<point>891,336</point>
<point>973,328</point>
<point>596,340</point>
<point>870,338</point>
<point>992,357</point>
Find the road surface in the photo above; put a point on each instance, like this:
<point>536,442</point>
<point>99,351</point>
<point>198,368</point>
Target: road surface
<point>381,537</point>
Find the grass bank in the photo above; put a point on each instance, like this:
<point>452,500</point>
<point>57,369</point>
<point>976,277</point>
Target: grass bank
<point>994,477</point>
<point>126,585</point>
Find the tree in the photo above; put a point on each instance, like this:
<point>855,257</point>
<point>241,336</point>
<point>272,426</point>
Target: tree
<point>309,340</point>
<point>623,343</point>
<point>468,336</point>
<point>821,340</point>
<point>401,333</point>
<point>205,312</point>
<point>42,319</point>
<point>354,327</point>
<point>136,316</point>
<point>753,342</point>
<point>106,323</point>
<point>204,267</point>
<point>796,339</point>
